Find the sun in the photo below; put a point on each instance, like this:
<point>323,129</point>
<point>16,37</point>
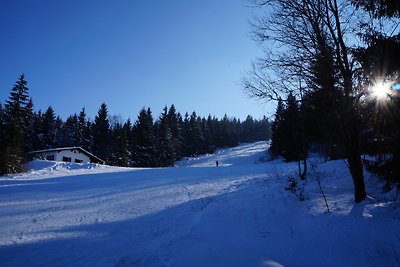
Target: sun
<point>381,90</point>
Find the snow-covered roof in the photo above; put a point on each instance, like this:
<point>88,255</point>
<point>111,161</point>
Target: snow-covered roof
<point>92,157</point>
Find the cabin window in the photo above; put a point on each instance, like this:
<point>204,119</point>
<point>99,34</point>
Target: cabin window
<point>50,157</point>
<point>78,161</point>
<point>66,159</point>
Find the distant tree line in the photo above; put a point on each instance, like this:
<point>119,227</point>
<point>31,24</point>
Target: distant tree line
<point>145,142</point>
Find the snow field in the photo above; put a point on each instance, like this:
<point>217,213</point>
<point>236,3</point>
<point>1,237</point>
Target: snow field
<point>195,214</point>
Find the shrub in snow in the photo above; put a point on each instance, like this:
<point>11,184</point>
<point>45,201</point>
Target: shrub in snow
<point>294,187</point>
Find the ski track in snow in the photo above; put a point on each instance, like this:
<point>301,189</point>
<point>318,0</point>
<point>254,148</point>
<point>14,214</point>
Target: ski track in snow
<point>195,214</point>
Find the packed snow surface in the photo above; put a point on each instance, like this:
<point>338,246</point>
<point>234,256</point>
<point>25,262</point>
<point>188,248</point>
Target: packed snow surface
<point>194,214</point>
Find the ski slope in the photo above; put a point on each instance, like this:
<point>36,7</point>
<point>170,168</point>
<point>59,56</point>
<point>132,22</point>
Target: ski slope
<point>194,214</point>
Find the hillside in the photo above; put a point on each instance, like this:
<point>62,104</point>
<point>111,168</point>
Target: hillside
<point>194,214</point>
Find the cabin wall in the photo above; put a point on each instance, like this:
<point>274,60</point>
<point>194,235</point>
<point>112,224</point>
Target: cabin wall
<point>74,156</point>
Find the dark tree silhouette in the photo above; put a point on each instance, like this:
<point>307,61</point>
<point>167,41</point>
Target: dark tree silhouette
<point>143,130</point>
<point>164,143</point>
<point>15,120</point>
<point>304,32</point>
<point>101,134</point>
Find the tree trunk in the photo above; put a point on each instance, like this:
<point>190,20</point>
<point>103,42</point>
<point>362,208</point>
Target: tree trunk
<point>355,166</point>
<point>302,174</point>
<point>304,168</point>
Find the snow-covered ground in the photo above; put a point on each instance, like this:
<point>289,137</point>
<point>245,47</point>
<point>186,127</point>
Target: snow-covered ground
<point>195,214</point>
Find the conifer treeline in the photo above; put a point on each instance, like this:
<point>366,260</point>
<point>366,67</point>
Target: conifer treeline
<point>146,142</point>
<point>313,125</point>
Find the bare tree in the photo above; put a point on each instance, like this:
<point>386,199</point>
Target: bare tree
<point>307,46</point>
<point>318,180</point>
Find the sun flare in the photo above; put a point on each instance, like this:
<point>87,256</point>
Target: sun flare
<point>381,90</point>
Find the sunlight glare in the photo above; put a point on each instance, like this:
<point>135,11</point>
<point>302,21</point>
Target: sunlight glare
<point>381,90</point>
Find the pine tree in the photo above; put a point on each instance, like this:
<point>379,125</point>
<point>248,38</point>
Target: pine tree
<point>85,131</point>
<point>70,132</point>
<point>194,138</point>
<point>131,142</point>
<point>16,119</point>
<point>144,152</point>
<point>81,128</point>
<point>58,130</point>
<point>247,129</point>
<point>101,134</point>
<point>29,137</point>
<point>228,132</point>
<point>121,154</point>
<point>175,123</point>
<point>263,130</point>
<point>185,133</point>
<point>322,123</point>
<point>165,151</point>
<point>380,8</point>
<point>287,135</point>
<point>37,131</point>
<point>206,129</point>
<point>292,130</point>
<point>49,129</point>
<point>277,139</point>
<point>210,134</point>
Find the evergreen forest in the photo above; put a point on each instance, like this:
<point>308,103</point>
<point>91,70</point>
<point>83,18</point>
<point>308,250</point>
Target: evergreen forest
<point>146,142</point>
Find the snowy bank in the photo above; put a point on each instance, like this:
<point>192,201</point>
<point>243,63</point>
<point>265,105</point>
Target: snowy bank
<point>44,169</point>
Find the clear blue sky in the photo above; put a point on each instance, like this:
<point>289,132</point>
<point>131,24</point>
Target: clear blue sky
<point>130,54</point>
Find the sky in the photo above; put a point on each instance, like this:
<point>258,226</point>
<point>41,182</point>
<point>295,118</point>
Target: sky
<point>130,54</point>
